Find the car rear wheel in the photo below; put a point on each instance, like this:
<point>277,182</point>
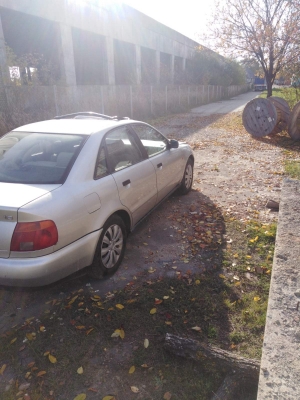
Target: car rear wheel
<point>187,180</point>
<point>110,249</point>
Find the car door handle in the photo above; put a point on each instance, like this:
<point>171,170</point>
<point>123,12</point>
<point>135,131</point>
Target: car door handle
<point>159,165</point>
<point>125,183</point>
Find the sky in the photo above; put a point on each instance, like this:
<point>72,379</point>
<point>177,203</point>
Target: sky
<point>188,17</point>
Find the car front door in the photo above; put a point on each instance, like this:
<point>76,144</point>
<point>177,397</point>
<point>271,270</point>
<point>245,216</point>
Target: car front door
<point>133,173</point>
<point>168,163</point>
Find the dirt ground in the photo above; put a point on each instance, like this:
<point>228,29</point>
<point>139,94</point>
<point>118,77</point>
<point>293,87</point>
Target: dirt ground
<point>234,176</point>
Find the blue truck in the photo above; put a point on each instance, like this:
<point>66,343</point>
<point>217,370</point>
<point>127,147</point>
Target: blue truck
<point>259,84</point>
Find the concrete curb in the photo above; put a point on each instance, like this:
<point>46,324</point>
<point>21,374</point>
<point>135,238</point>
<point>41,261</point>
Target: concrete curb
<point>280,363</point>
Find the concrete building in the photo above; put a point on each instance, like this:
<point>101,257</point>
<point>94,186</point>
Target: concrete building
<point>89,44</point>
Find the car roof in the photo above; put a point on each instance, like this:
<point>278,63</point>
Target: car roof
<point>80,126</point>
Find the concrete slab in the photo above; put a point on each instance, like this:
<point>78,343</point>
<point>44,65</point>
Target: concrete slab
<point>234,104</point>
<point>280,364</point>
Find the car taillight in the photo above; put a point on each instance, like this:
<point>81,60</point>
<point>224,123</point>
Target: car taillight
<point>31,236</point>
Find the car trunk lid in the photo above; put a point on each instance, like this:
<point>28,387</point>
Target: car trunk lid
<point>13,196</point>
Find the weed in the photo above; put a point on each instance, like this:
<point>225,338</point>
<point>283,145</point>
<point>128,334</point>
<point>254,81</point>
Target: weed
<point>292,168</point>
<point>290,95</point>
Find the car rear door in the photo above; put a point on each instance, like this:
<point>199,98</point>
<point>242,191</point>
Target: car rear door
<point>133,173</point>
<point>168,163</point>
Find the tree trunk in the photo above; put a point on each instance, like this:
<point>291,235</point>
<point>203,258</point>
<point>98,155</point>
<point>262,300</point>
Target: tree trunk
<point>269,85</point>
<point>241,370</point>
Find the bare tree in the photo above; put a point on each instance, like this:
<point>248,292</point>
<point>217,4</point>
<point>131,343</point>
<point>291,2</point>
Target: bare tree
<point>265,29</point>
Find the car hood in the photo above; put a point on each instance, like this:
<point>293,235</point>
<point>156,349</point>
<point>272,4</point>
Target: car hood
<point>16,195</point>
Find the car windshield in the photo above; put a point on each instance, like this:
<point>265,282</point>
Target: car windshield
<point>34,158</point>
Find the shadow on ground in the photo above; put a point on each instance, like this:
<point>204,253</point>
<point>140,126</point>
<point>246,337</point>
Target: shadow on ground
<point>169,282</point>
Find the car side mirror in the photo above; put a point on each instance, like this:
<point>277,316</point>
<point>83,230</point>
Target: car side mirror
<point>173,144</point>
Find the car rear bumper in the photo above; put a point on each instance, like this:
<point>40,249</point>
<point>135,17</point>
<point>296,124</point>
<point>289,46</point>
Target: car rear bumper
<point>44,270</point>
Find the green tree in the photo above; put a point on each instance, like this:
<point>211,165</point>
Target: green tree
<point>209,68</point>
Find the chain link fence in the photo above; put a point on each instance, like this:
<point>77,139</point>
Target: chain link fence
<point>25,104</point>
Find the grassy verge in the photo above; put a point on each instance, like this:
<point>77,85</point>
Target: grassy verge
<point>113,346</point>
<point>291,95</point>
<point>292,168</point>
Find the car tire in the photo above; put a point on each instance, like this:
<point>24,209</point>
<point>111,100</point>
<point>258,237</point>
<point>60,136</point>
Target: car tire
<point>110,248</point>
<point>187,180</point>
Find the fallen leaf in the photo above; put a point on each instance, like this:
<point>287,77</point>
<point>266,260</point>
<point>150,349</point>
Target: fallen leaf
<point>2,369</point>
<point>81,396</point>
<point>23,386</point>
<point>130,301</point>
<point>94,391</point>
<point>197,281</point>
<point>29,336</point>
<point>72,300</point>
<point>116,333</point>
<point>166,297</point>
<point>30,365</point>
<point>197,328</point>
<point>13,340</point>
<point>119,306</point>
<point>109,398</point>
<point>153,311</point>
<point>80,370</point>
<point>41,373</point>
<point>80,327</point>
<point>89,331</point>
<point>95,298</point>
<point>122,333</point>
<point>131,370</point>
<point>222,276</point>
<point>146,343</point>
<point>134,389</point>
<point>158,301</point>
<point>256,298</point>
<point>42,328</point>
<point>167,396</point>
<point>52,359</point>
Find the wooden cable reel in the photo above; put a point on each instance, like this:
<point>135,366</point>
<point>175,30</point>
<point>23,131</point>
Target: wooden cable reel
<point>283,111</point>
<point>294,123</point>
<point>260,117</point>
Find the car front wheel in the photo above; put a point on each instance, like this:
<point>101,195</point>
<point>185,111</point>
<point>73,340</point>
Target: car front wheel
<point>110,249</point>
<point>187,180</point>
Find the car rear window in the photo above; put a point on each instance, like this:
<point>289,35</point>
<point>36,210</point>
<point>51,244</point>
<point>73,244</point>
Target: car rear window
<point>37,157</point>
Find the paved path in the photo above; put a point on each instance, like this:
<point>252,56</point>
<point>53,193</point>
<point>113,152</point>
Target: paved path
<point>234,104</point>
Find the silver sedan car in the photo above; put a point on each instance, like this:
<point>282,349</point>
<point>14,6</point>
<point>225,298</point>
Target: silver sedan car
<point>72,188</point>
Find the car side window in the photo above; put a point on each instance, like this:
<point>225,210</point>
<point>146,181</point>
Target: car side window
<point>153,141</point>
<point>101,165</point>
<point>121,149</point>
